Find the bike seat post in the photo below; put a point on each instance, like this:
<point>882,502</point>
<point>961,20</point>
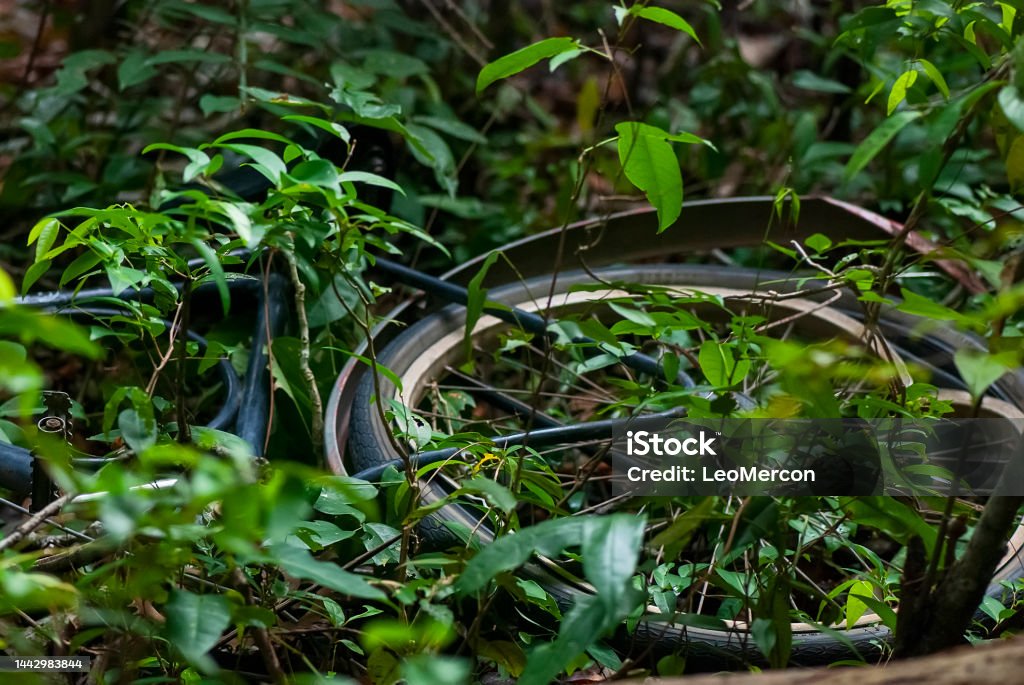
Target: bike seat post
<point>55,421</point>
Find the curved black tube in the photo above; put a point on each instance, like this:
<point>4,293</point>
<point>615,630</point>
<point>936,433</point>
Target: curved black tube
<point>63,298</point>
<point>232,386</point>
<point>544,437</point>
<point>271,316</point>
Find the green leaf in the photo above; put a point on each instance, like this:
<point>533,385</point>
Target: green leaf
<point>134,69</point>
<point>432,150</point>
<point>256,133</point>
<point>216,270</point>
<point>394,64</point>
<point>266,161</point>
<point>1013,106</point>
<point>299,563</point>
<point>195,623</point>
<point>610,548</point>
<point>476,297</point>
<point>320,533</point>
<point>818,242</point>
<point>189,55</point>
<point>199,161</point>
<point>18,378</point>
<point>339,492</point>
<point>650,164</point>
<point>980,369</point>
<point>763,632</point>
<point>72,76</point>
<point>33,592</point>
<point>719,366</point>
<point>316,172</point>
<point>239,220</point>
<point>889,516</point>
<point>370,180</point>
<point>510,551</point>
<point>855,606</point>
<point>7,290</point>
<point>993,608</point>
<point>82,263</point>
<point>884,611</point>
<point>212,104</point>
<point>521,59</point>
<point>496,494</point>
<point>331,127</point>
<point>560,59</point>
<point>138,433</point>
<point>876,140</point>
<point>925,307</point>
<point>34,273</point>
<point>935,75</point>
<point>682,529</point>
<point>505,653</point>
<point>1015,164</point>
<point>453,127</point>
<point>430,669</point>
<point>45,232</point>
<point>808,80</point>
<point>899,89</point>
<point>665,17</point>
<point>214,15</point>
<point>637,316</point>
<point>59,333</point>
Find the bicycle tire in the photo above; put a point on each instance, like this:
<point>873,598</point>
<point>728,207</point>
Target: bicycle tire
<point>369,445</point>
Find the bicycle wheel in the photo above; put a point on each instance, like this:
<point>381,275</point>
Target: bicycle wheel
<point>427,352</point>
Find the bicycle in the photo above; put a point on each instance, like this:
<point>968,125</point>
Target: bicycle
<point>425,358</point>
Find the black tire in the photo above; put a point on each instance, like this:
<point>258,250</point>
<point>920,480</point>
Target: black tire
<point>369,446</point>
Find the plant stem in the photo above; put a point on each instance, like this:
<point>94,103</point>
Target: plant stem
<point>184,432</point>
<point>316,403</point>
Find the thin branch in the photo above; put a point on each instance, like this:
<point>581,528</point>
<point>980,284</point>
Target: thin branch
<point>38,519</point>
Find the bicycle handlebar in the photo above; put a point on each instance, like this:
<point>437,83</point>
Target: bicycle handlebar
<point>15,469</point>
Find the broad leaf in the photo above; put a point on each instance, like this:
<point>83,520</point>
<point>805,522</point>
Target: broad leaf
<point>980,369</point>
<point>195,622</point>
<point>515,62</point>
<point>1013,106</point>
<point>855,605</point>
<point>7,289</point>
<point>510,551</point>
<point>935,75</point>
<point>899,89</point>
<point>719,366</point>
<point>476,298</point>
<point>890,516</point>
<point>650,163</point>
<point>496,494</point>
<point>877,140</point>
<point>370,179</point>
<point>665,17</point>
<point>299,563</point>
<point>138,433</point>
<point>45,232</point>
